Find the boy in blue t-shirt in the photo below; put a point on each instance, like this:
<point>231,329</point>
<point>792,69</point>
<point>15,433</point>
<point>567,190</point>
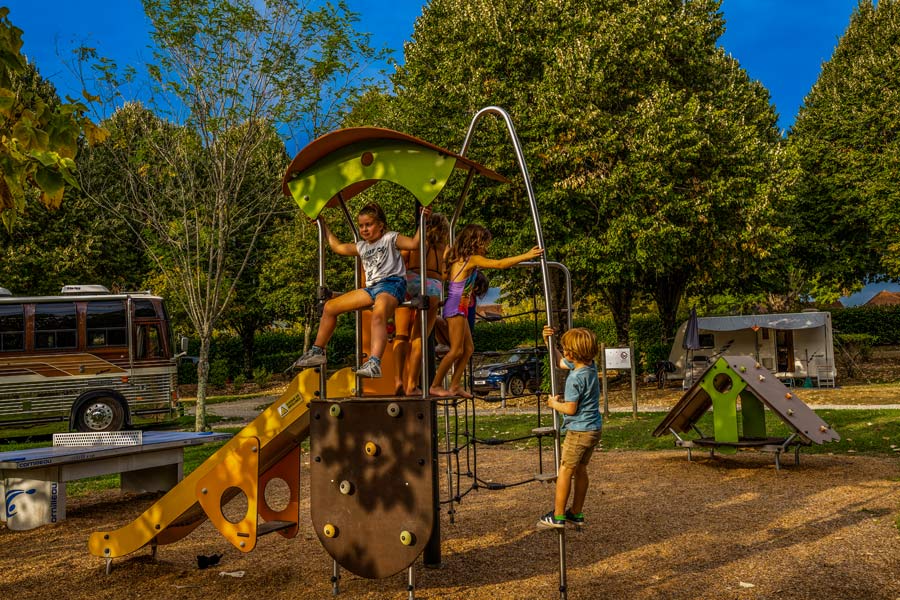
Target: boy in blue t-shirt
<point>581,420</point>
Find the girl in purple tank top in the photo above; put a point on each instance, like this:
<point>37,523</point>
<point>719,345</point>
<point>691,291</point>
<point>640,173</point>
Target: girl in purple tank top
<point>465,258</point>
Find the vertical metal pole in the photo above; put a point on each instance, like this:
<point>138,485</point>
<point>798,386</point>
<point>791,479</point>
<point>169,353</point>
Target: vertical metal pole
<point>411,583</point>
<point>356,282</point>
<point>432,556</point>
<point>604,380</point>
<point>447,445</point>
<point>634,409</point>
<point>335,578</point>
<point>423,313</point>
<point>323,370</point>
<point>432,553</point>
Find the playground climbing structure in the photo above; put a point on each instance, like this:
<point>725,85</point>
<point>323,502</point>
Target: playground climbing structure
<point>374,477</point>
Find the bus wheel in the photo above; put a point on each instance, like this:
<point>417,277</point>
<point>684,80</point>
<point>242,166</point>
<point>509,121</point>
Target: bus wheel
<point>100,414</point>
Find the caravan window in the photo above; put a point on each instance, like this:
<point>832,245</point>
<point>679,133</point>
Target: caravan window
<point>707,340</point>
<point>12,328</point>
<point>55,325</point>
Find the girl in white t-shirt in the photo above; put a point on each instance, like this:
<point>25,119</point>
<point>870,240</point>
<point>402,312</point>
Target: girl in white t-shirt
<point>385,288</point>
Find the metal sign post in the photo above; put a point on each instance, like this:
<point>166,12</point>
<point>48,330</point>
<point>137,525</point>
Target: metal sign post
<point>603,380</point>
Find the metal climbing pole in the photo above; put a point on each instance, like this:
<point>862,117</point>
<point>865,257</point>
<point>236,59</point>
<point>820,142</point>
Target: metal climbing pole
<point>545,275</point>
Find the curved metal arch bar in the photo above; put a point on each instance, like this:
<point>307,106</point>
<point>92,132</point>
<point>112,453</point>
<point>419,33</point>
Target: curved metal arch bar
<point>523,168</point>
<point>545,275</point>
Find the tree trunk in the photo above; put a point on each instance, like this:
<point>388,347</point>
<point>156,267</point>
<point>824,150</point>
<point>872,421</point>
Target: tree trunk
<point>558,297</point>
<point>248,343</point>
<point>667,292</point>
<point>202,378</point>
<point>307,334</point>
<point>619,298</point>
<point>247,328</point>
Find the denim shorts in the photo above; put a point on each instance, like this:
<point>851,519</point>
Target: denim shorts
<point>578,447</point>
<point>394,285</point>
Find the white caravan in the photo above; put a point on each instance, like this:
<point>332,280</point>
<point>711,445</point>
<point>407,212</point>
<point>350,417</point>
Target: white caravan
<point>791,345</point>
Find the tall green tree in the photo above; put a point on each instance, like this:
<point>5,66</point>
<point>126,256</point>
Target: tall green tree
<point>74,243</point>
<point>226,73</point>
<point>650,149</point>
<point>846,201</point>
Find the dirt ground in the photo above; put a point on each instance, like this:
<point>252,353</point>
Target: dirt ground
<point>658,527</point>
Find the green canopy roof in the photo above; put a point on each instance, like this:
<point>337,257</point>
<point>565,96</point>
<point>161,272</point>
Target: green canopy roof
<point>345,162</point>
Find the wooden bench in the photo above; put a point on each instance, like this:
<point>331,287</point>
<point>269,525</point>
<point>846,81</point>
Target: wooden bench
<point>33,481</point>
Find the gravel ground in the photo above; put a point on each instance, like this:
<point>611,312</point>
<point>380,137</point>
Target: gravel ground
<point>658,527</point>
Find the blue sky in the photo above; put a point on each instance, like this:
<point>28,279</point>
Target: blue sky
<point>781,43</point>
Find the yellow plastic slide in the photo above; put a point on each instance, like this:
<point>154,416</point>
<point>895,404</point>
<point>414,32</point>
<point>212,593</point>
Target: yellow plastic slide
<point>275,433</point>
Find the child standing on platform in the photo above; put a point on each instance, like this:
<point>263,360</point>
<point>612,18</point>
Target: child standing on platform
<point>385,288</point>
<point>466,256</point>
<point>581,420</point>
<point>409,356</point>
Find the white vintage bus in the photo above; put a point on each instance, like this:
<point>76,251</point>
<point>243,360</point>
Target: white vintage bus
<point>87,356</point>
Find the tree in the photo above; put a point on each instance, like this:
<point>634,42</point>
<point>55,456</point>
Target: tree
<point>73,243</point>
<point>248,312</point>
<point>650,150</point>
<point>38,134</point>
<point>227,73</point>
<point>845,204</point>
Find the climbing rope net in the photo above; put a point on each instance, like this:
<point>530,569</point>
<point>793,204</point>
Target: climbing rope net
<point>461,436</point>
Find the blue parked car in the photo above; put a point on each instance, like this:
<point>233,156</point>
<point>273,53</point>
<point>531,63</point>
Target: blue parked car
<point>518,369</point>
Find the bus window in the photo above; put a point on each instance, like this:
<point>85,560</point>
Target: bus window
<point>144,308</point>
<point>12,328</point>
<point>106,323</point>
<point>55,326</point>
<point>148,343</point>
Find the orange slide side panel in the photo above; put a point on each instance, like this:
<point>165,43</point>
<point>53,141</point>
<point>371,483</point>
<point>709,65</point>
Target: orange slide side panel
<point>279,429</point>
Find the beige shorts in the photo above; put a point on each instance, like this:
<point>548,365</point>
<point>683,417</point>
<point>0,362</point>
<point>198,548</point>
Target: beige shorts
<point>578,447</point>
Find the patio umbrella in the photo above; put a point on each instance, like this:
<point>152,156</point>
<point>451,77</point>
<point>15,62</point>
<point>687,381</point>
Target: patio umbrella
<point>691,341</point>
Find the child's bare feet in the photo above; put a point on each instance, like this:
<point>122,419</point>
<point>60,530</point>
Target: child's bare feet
<point>459,391</point>
<point>414,392</point>
<point>439,391</point>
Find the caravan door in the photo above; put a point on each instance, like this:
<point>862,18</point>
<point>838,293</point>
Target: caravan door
<point>784,351</point>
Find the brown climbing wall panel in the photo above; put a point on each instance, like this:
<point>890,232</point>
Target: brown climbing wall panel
<point>371,481</point>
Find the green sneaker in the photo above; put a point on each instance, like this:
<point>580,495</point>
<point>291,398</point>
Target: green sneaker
<point>573,518</point>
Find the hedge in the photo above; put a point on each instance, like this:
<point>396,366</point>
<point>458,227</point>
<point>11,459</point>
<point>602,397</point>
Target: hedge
<point>276,351</point>
<point>881,322</point>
